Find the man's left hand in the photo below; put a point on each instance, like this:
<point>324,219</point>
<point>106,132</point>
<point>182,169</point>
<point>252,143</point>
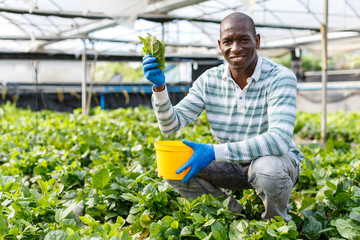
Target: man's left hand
<point>203,155</point>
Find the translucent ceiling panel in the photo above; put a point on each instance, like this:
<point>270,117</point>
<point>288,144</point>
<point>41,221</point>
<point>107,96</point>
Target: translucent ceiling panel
<point>185,26</point>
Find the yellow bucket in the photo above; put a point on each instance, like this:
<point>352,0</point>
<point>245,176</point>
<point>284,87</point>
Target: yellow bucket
<point>170,156</point>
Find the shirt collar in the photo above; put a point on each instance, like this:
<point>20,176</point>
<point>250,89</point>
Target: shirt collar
<point>255,75</point>
<point>257,70</point>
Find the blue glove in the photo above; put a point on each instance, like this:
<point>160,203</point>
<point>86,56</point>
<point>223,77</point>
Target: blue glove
<point>151,72</point>
<point>203,155</point>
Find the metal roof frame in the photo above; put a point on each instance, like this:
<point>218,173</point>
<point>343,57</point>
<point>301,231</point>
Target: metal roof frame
<point>87,27</point>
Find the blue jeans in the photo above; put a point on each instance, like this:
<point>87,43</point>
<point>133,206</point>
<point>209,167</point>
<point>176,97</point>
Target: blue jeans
<point>272,177</point>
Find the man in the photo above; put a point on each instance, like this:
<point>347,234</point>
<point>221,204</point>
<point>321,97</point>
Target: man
<point>250,104</point>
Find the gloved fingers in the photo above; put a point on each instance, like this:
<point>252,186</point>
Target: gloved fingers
<point>189,143</point>
<point>147,55</point>
<point>185,166</point>
<point>190,174</point>
<point>148,58</point>
<point>148,66</point>
<point>152,73</point>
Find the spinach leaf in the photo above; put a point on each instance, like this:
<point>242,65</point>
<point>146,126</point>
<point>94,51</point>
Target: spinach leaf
<point>155,47</point>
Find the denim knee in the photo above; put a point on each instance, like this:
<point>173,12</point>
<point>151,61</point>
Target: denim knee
<point>272,185</point>
<point>272,175</point>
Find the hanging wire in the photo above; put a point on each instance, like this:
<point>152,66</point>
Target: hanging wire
<point>17,25</point>
<point>60,9</point>
<point>35,25</point>
<point>354,10</point>
<point>92,76</point>
<point>334,100</point>
<point>3,95</point>
<point>84,78</point>
<point>308,9</point>
<point>37,95</point>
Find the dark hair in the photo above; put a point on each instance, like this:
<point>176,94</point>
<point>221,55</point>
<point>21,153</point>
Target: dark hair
<point>239,16</point>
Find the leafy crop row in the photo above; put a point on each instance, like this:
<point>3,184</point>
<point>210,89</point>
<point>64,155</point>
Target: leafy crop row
<point>69,176</point>
<point>340,126</point>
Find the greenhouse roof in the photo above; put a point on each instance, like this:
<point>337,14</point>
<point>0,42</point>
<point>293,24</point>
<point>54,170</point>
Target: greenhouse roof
<point>188,28</point>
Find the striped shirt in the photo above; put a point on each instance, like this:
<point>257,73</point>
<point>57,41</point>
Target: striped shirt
<point>247,123</point>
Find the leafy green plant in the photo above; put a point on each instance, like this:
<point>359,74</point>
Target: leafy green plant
<point>155,47</point>
<point>340,126</point>
<point>70,176</point>
<point>273,229</point>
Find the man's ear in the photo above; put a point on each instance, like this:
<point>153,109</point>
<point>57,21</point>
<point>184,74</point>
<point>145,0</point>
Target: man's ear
<point>219,44</point>
<point>257,39</point>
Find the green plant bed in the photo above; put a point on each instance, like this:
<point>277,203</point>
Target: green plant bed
<point>341,126</point>
<point>69,176</point>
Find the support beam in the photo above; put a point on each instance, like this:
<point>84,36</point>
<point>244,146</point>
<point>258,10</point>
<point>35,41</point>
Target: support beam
<point>83,82</point>
<point>175,45</point>
<point>102,21</point>
<point>324,30</point>
<point>103,57</point>
<point>106,21</point>
<point>62,14</point>
<point>146,16</point>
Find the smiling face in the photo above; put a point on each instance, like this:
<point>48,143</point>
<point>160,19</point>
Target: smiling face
<point>238,43</point>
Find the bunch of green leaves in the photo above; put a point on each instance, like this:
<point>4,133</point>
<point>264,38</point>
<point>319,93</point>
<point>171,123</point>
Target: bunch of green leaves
<point>155,47</point>
<point>203,218</point>
<point>273,229</point>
